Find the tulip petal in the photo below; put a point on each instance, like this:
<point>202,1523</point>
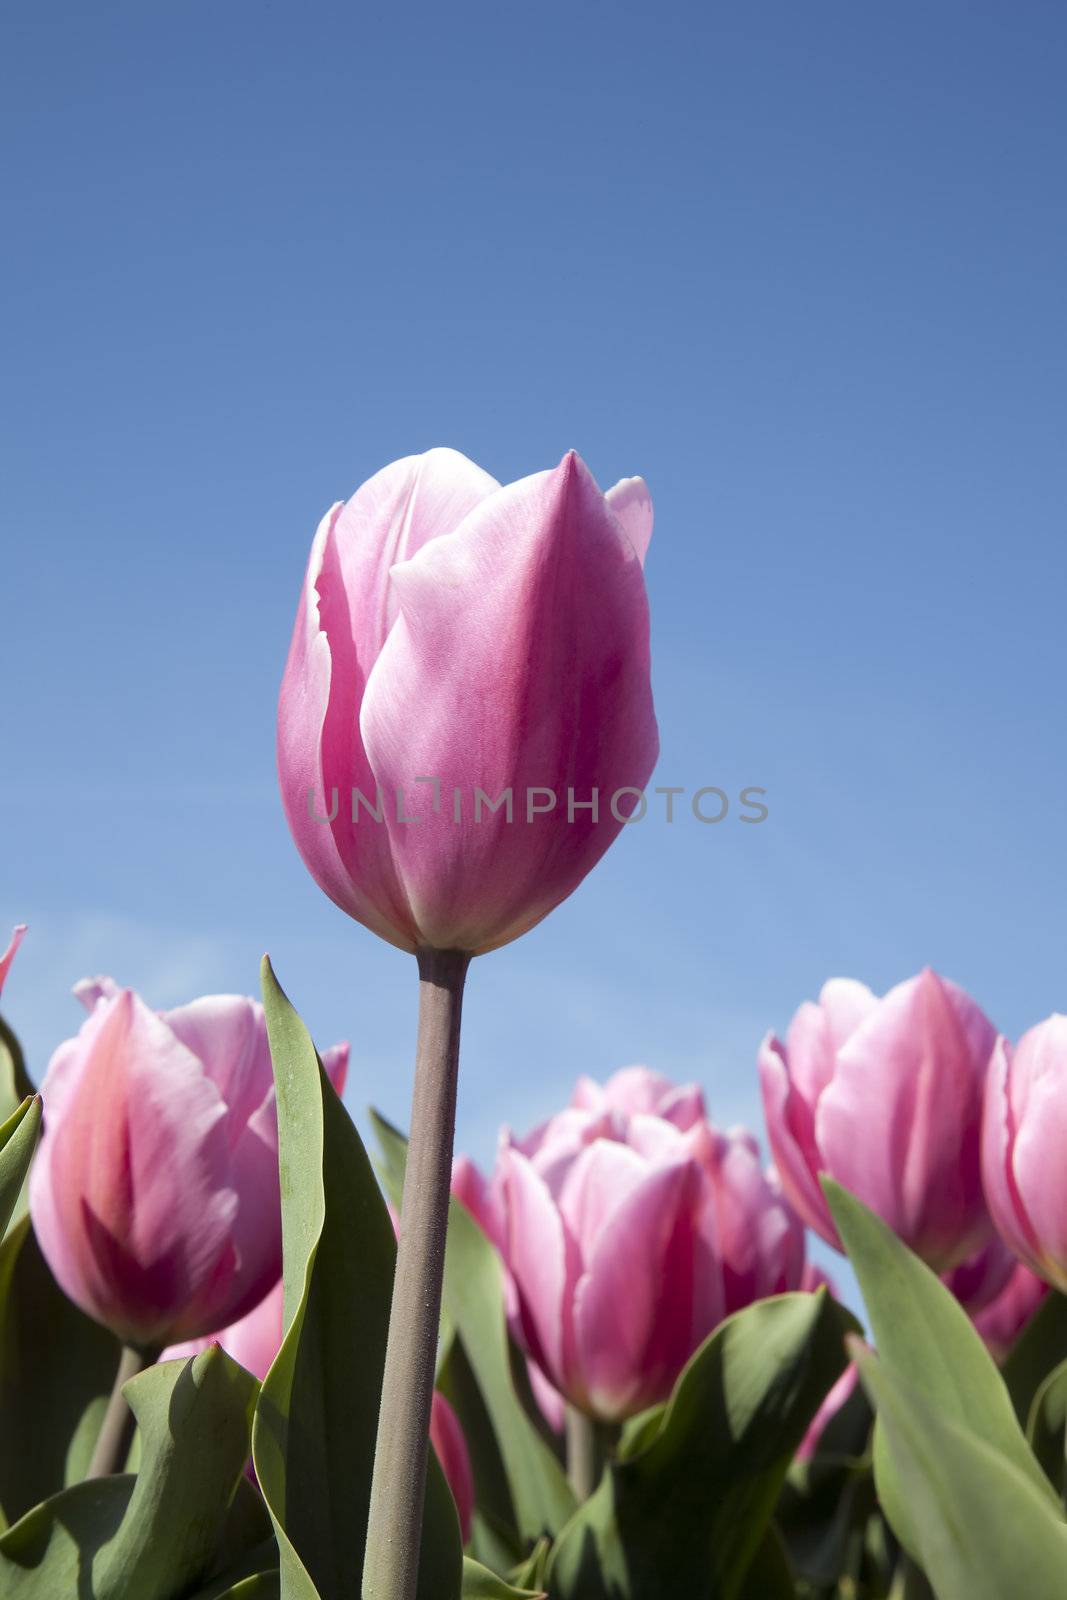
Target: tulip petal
<point>998,1140</point>
<point>228,1034</point>
<point>8,956</point>
<point>642,1304</point>
<point>899,1126</point>
<point>544,1265</point>
<point>1037,1164</point>
<point>504,673</point>
<point>632,504</point>
<point>595,1186</point>
<point>791,1135</point>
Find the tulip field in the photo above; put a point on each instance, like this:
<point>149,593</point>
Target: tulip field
<point>243,1356</point>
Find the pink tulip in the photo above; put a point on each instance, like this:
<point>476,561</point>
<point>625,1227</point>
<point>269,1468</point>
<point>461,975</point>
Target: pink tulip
<point>1002,1320</point>
<point>154,1193</point>
<point>978,1281</point>
<point>1023,1144</point>
<point>885,1096</point>
<point>450,1446</point>
<point>639,1089</point>
<point>457,639</point>
<point>9,954</point>
<point>612,1249</point>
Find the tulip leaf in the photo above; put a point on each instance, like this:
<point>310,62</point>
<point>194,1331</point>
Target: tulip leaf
<point>1038,1349</point>
<point>15,1083</point>
<point>983,1530</point>
<point>687,1512</point>
<point>317,1419</point>
<point>1047,1426</point>
<point>481,1584</point>
<point>18,1140</point>
<point>156,1535</point>
<point>541,1497</point>
<point>769,1575</point>
<point>56,1370</point>
<point>925,1336</point>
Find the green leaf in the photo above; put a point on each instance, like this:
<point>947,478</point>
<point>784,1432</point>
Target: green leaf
<point>15,1083</point>
<point>769,1575</point>
<point>542,1498</point>
<point>155,1535</point>
<point>923,1334</point>
<point>18,1140</point>
<point>1046,1427</point>
<point>56,1370</point>
<point>481,1584</point>
<point>689,1512</point>
<point>317,1419</point>
<point>1038,1349</point>
<point>984,1531</point>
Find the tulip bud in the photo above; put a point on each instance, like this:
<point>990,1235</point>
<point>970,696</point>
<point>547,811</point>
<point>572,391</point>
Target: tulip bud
<point>469,664</point>
<point>154,1193</point>
<point>885,1096</point>
<point>1022,1148</point>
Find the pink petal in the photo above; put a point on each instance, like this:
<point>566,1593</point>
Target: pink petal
<point>450,1448</point>
<point>597,1184</point>
<point>1037,1159</point>
<point>632,504</point>
<point>228,1034</point>
<point>544,1264</point>
<point>998,1141</point>
<point>90,990</point>
<point>348,609</point>
<point>536,589</point>
<point>791,1135</point>
<point>648,1296</point>
<point>900,1124</point>
<point>335,1063</point>
<point>9,954</point>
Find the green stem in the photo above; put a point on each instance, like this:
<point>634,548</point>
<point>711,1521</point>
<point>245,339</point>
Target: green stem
<point>398,1482</point>
<point>581,1453</point>
<point>116,1431</point>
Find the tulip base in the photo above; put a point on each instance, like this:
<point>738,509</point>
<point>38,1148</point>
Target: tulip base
<point>394,1528</point>
<point>581,1441</point>
<point>116,1431</point>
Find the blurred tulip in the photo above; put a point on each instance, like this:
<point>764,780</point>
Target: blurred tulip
<point>639,1089</point>
<point>1002,1320</point>
<point>611,1246</point>
<point>8,956</point>
<point>978,1281</point>
<point>456,638</point>
<point>450,1446</point>
<point>1022,1147</point>
<point>154,1193</point>
<point>885,1096</point>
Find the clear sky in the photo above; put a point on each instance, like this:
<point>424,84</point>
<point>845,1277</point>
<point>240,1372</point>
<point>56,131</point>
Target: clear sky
<point>802,266</point>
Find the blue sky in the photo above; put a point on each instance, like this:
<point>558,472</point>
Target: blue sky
<point>801,266</point>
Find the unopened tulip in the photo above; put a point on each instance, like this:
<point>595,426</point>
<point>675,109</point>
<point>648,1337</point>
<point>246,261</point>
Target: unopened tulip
<point>885,1096</point>
<point>1002,1320</point>
<point>1023,1147</point>
<point>9,954</point>
<point>154,1193</point>
<point>466,718</point>
<point>612,1250</point>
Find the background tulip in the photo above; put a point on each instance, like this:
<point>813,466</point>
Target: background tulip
<point>488,639</point>
<point>610,1241</point>
<point>154,1193</point>
<point>9,954</point>
<point>450,1446</point>
<point>885,1096</point>
<point>1023,1146</point>
<point>760,1238</point>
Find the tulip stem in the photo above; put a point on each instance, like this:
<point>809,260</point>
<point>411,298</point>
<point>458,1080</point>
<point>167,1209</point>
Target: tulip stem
<point>581,1453</point>
<point>116,1431</point>
<point>398,1482</point>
